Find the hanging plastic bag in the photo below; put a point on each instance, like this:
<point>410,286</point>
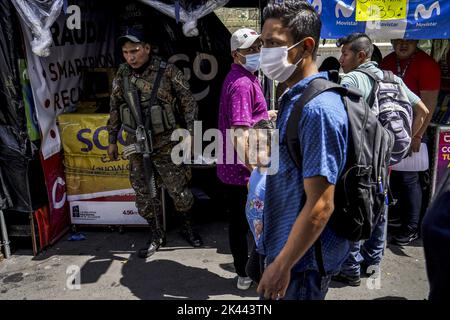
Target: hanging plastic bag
<point>39,15</point>
<point>187,15</point>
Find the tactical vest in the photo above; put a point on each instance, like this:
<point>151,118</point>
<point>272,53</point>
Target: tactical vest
<point>158,116</point>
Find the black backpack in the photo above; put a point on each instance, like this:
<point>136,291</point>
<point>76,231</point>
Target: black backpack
<point>362,187</point>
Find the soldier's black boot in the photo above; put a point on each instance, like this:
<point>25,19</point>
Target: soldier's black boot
<point>188,234</point>
<point>157,239</point>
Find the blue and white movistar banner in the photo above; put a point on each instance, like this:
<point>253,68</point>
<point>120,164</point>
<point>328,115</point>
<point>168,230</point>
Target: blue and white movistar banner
<point>425,19</point>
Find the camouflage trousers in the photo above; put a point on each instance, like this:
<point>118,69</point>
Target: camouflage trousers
<point>174,178</point>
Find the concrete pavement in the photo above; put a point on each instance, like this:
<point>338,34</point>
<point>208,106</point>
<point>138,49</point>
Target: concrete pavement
<point>107,267</point>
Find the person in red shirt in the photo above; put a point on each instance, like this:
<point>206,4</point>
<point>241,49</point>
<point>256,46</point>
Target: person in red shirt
<point>422,75</point>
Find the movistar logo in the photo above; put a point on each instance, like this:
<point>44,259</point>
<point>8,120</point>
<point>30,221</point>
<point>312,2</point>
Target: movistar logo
<point>345,9</point>
<point>427,13</point>
<point>317,4</point>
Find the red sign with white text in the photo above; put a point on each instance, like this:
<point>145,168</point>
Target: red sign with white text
<point>56,190</point>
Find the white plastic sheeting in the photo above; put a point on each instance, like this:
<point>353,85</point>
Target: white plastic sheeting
<point>188,17</point>
<point>39,15</point>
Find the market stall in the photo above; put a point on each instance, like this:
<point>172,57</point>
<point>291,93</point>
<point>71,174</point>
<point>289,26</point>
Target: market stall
<point>68,45</point>
<point>55,105</point>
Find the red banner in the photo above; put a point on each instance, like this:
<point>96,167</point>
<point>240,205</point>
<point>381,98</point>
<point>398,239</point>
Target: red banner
<point>56,190</point>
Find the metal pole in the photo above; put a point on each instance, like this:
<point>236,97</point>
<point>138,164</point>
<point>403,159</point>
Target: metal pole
<point>5,239</point>
<point>33,235</point>
<point>273,97</point>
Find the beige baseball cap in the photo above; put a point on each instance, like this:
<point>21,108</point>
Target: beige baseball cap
<point>243,38</point>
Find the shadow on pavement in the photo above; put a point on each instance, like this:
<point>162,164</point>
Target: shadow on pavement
<point>154,278</point>
<point>166,279</point>
<point>391,298</point>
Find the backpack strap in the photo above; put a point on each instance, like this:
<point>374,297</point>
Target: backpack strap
<point>162,68</point>
<point>375,78</point>
<point>154,94</point>
<point>388,76</point>
<point>316,87</point>
<point>132,98</point>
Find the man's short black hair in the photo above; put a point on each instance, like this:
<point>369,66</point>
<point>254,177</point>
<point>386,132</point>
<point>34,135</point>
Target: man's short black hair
<point>299,16</point>
<point>377,56</point>
<point>330,63</point>
<point>358,42</point>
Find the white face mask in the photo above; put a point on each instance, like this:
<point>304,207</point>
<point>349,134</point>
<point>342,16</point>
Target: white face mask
<point>251,61</point>
<point>275,64</point>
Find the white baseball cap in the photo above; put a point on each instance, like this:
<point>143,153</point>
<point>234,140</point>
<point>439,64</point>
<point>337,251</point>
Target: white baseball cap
<point>243,38</point>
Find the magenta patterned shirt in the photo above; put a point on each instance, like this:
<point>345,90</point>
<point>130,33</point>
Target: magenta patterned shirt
<point>242,103</point>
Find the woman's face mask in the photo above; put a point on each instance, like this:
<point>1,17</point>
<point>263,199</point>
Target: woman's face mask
<point>252,61</point>
<point>275,64</point>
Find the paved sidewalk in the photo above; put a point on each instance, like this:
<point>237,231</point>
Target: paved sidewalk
<point>110,269</point>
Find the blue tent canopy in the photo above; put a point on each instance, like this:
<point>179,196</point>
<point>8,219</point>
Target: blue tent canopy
<point>426,19</point>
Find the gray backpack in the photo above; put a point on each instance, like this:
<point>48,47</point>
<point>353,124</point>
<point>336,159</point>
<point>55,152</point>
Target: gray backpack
<point>389,102</point>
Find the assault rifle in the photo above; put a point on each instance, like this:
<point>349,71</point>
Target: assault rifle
<point>143,143</point>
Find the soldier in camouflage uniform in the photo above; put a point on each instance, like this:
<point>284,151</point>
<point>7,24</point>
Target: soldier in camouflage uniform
<point>141,69</point>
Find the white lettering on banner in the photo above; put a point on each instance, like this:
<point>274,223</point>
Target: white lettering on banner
<point>64,69</point>
<point>345,9</point>
<point>346,23</point>
<point>74,21</point>
<point>446,149</point>
<point>427,13</point>
<point>58,204</point>
<point>317,4</point>
<point>446,137</point>
<point>63,99</point>
<point>428,24</point>
<point>56,80</point>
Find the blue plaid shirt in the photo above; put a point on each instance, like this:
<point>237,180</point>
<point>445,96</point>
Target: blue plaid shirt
<point>323,133</point>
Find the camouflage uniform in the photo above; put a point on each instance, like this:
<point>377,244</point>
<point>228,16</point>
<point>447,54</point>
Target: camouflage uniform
<point>173,90</point>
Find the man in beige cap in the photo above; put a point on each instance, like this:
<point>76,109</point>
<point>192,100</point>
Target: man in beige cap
<point>242,104</point>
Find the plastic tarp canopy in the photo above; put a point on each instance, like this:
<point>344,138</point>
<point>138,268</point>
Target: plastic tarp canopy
<point>13,160</point>
<point>188,12</point>
<point>16,150</point>
<point>39,15</point>
<point>425,19</point>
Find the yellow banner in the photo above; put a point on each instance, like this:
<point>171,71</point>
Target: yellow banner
<point>374,10</point>
<point>89,172</point>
